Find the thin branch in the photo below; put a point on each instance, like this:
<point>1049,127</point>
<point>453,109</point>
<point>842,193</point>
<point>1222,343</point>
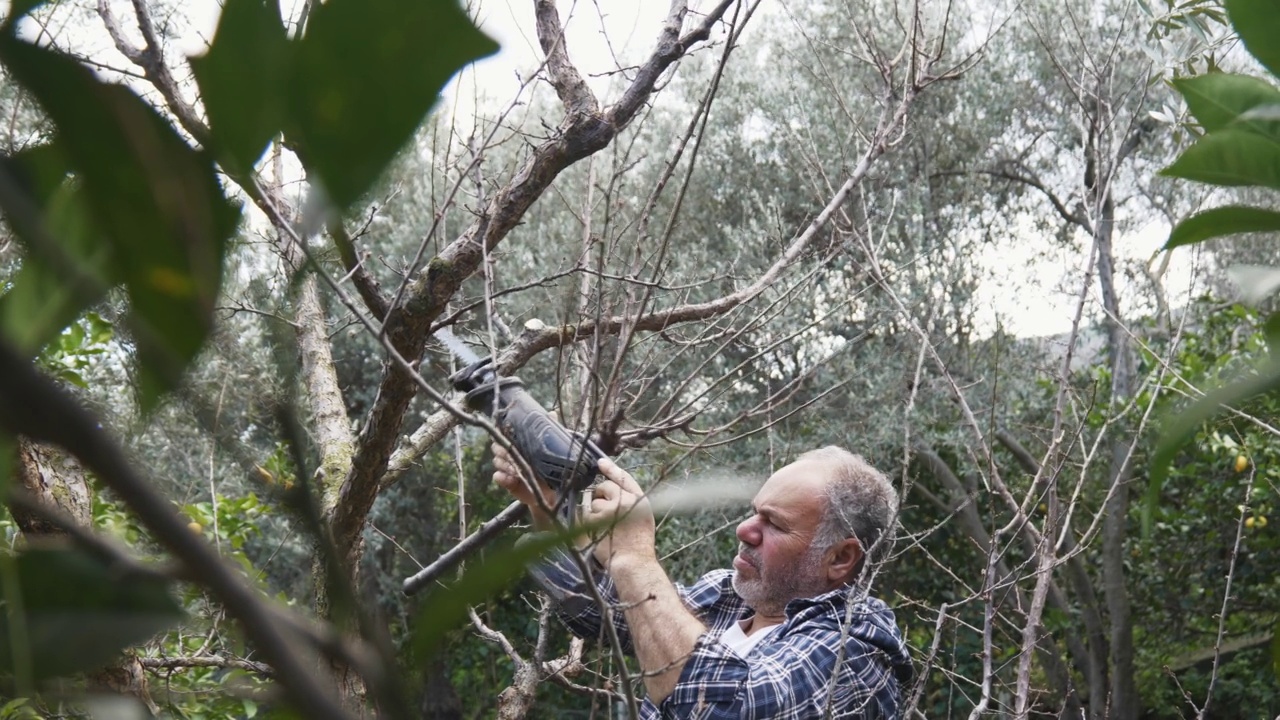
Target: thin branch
<point>1226,594</point>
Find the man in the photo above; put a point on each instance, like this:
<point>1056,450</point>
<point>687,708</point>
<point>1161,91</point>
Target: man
<point>788,633</point>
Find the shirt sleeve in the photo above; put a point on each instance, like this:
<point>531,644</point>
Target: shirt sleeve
<point>561,577</point>
<point>794,679</point>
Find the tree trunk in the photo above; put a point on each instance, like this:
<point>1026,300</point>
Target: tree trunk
<point>55,480</point>
<point>1124,691</point>
<point>326,406</point>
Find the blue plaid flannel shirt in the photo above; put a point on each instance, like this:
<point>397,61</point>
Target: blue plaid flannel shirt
<point>805,669</point>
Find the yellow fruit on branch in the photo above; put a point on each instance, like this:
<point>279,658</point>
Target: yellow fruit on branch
<point>195,527</point>
<point>264,475</point>
<point>1242,463</point>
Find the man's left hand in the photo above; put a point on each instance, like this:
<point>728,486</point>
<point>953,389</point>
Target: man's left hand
<point>620,503</point>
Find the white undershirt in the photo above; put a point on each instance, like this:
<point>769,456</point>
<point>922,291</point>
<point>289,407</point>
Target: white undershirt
<point>740,642</point>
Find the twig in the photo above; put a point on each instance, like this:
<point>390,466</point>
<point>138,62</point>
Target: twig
<point>1226,593</point>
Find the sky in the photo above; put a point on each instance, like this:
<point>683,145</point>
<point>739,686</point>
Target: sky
<point>1035,293</point>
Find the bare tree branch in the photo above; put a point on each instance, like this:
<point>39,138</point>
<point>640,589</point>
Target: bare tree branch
<point>408,324</point>
<point>205,661</point>
<point>572,89</point>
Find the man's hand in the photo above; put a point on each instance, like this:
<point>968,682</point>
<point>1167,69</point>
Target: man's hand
<point>618,502</point>
<point>506,474</point>
<point>663,630</point>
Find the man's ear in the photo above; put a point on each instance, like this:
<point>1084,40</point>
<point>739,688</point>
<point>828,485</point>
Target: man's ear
<point>846,558</point>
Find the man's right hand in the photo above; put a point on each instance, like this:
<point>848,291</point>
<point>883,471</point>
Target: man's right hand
<point>506,473</point>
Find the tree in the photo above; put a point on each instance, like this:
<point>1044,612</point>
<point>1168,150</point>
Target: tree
<point>302,88</point>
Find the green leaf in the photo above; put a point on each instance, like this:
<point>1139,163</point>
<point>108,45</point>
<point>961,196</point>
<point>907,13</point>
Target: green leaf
<point>73,377</point>
<point>240,80</point>
<point>67,266</point>
<point>365,75</point>
<point>28,179</point>
<point>1257,22</point>
<point>1217,100</point>
<point>446,607</point>
<point>1228,220</point>
<point>44,298</point>
<point>156,200</point>
<point>1182,426</point>
<point>1230,157</point>
<point>78,612</point>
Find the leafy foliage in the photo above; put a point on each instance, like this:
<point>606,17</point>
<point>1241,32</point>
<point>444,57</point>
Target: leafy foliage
<point>1240,146</point>
<point>76,349</point>
<point>1222,494</point>
<point>156,200</point>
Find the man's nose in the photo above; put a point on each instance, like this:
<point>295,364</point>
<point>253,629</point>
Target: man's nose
<point>749,531</point>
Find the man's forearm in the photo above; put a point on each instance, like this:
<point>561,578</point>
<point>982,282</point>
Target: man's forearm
<point>663,631</point>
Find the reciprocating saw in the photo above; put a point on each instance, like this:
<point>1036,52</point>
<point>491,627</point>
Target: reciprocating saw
<point>564,460</point>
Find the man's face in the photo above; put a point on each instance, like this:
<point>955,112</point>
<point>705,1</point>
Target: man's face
<point>775,562</point>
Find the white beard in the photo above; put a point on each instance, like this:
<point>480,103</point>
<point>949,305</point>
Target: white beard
<point>769,594</point>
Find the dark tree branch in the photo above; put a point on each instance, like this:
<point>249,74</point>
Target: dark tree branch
<point>214,661</point>
<point>408,324</point>
<point>572,89</point>
<point>103,548</point>
<point>1016,173</point>
<point>150,58</point>
<point>366,284</point>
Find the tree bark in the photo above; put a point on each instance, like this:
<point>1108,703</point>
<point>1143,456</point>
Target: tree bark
<point>1124,701</point>
<point>54,479</point>
<point>333,436</point>
<point>1124,690</point>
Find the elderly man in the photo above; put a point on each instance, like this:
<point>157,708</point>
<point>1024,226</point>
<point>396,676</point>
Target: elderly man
<point>788,633</point>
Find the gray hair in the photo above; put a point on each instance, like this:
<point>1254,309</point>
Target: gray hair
<point>861,503</point>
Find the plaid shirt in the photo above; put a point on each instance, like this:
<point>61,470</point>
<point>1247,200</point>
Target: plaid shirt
<point>803,670</point>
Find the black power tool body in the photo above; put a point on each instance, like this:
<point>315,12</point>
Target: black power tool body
<point>563,459</point>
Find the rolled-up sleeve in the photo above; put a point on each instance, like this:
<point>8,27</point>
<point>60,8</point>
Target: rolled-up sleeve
<point>561,577</point>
